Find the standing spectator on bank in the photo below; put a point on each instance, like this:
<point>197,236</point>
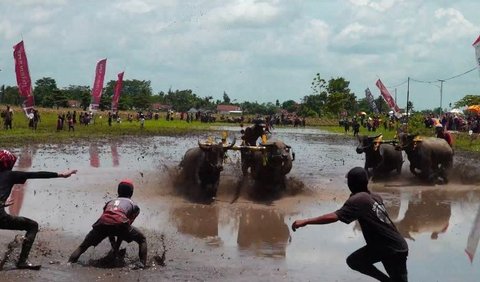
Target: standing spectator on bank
<point>59,123</point>
<point>109,119</point>
<point>71,124</point>
<point>7,116</point>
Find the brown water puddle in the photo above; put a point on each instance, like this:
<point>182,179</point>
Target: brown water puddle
<point>245,240</point>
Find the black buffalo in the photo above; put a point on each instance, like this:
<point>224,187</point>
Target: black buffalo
<point>430,158</point>
<point>201,166</point>
<point>381,158</point>
<point>270,164</point>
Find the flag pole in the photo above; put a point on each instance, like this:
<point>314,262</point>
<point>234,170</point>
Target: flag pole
<point>408,99</point>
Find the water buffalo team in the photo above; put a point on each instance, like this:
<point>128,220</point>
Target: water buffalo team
<point>429,158</point>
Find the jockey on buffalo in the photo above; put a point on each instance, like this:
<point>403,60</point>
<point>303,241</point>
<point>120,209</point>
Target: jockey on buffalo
<point>250,136</point>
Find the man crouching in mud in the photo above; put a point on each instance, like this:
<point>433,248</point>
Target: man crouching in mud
<point>8,178</point>
<point>384,242</point>
<point>116,220</point>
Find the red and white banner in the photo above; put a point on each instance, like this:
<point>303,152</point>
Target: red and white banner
<point>117,91</point>
<point>476,45</point>
<point>388,98</point>
<point>98,84</point>
<point>24,82</point>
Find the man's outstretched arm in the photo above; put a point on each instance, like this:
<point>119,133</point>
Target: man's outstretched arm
<point>323,219</point>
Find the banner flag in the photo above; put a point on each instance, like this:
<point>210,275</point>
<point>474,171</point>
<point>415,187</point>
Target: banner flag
<point>117,91</point>
<point>371,101</point>
<point>388,98</point>
<point>98,84</point>
<point>473,237</point>
<point>476,45</point>
<point>24,82</point>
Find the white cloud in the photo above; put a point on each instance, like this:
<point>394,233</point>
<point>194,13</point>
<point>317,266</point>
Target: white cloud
<point>134,6</point>
<point>378,5</point>
<point>245,13</point>
<point>452,24</point>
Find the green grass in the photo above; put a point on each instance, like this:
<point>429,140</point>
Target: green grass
<point>47,128</point>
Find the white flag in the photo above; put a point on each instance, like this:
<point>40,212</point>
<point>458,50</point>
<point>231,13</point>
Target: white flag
<point>473,238</point>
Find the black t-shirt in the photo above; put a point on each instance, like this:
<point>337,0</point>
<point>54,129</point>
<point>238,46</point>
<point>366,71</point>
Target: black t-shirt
<point>9,178</point>
<point>378,230</point>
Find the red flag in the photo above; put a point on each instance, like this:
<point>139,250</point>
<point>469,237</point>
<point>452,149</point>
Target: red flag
<point>117,91</point>
<point>476,45</point>
<point>388,98</point>
<point>98,83</point>
<point>23,75</point>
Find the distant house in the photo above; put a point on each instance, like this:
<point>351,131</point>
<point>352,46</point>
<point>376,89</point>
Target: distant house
<point>227,109</point>
<point>160,107</point>
<point>73,103</point>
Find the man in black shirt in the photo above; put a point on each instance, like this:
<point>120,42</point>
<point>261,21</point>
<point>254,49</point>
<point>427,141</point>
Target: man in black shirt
<point>384,243</point>
<point>8,178</point>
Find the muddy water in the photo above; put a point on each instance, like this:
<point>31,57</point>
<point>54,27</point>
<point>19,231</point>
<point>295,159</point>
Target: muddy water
<point>249,239</point>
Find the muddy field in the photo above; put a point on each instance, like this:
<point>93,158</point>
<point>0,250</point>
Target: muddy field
<point>249,239</point>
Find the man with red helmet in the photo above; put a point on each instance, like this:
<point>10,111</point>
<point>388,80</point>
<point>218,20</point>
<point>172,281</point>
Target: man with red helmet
<point>116,221</point>
<point>8,178</point>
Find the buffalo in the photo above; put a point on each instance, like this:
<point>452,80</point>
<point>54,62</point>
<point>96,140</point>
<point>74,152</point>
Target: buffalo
<point>431,156</point>
<point>201,166</point>
<point>271,163</point>
<point>381,158</point>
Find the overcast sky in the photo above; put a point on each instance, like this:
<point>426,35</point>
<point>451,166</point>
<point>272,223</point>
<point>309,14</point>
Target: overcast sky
<point>260,50</point>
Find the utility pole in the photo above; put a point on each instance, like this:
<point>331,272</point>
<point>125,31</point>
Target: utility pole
<point>396,96</point>
<point>408,97</point>
<point>441,95</point>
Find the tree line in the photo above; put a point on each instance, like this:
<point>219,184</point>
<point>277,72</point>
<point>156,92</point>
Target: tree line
<point>327,98</point>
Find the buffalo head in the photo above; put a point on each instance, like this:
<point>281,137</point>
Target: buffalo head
<point>367,142</point>
<point>215,153</point>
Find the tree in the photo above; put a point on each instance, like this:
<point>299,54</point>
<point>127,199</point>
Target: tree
<point>226,99</point>
<point>468,100</point>
<point>290,105</point>
<point>10,95</point>
<point>339,97</point>
<point>410,107</point>
<point>44,88</point>
<point>79,93</point>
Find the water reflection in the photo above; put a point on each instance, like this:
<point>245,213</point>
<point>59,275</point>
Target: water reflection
<point>473,237</point>
<point>427,212</point>
<point>94,158</point>
<point>263,231</point>
<point>200,221</point>
<point>115,155</point>
<point>18,191</point>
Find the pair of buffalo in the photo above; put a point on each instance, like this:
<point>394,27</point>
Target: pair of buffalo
<point>201,166</point>
<point>430,158</point>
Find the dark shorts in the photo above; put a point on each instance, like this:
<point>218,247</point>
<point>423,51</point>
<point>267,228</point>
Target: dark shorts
<point>10,222</point>
<point>123,231</point>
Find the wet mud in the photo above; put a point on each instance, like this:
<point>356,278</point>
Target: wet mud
<point>243,234</point>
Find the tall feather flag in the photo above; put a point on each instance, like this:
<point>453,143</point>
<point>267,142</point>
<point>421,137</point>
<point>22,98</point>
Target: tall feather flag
<point>23,76</point>
<point>388,98</point>
<point>476,45</point>
<point>117,92</point>
<point>98,84</point>
<point>371,101</point>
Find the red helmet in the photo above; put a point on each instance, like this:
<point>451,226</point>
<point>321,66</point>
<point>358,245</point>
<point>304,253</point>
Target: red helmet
<point>7,160</point>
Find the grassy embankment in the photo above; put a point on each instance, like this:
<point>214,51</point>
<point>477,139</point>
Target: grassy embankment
<point>46,132</point>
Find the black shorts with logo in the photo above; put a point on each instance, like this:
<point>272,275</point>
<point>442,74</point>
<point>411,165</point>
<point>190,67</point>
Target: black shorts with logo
<point>124,231</point>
